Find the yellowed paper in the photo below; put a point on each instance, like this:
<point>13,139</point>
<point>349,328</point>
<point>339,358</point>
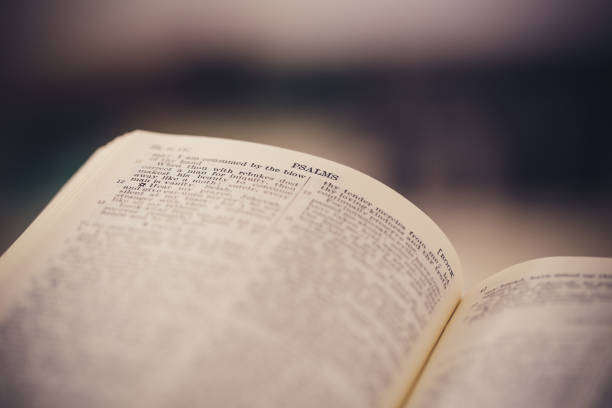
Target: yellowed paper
<point>537,334</point>
<point>182,271</point>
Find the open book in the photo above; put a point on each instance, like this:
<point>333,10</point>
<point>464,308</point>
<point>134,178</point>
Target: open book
<point>180,271</point>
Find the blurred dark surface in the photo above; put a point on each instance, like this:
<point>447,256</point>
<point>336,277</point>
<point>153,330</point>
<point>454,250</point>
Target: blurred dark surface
<point>520,109</point>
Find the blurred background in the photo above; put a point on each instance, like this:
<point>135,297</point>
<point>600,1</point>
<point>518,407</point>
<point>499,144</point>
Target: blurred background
<point>493,116</point>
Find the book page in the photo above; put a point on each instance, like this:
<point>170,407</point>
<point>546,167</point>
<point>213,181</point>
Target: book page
<point>537,334</point>
<point>183,271</point>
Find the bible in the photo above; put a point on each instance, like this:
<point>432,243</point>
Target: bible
<point>193,271</point>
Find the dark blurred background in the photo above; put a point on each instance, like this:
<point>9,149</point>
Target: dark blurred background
<point>493,116</point>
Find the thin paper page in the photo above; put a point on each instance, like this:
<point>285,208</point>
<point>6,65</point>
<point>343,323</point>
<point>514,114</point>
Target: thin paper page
<point>538,334</point>
<point>198,271</point>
